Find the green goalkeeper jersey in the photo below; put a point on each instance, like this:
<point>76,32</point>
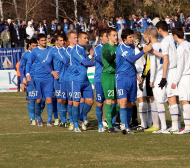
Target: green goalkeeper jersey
<point>108,58</point>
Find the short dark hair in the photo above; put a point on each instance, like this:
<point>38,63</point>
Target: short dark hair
<point>162,25</point>
<point>81,33</point>
<point>178,32</point>
<point>58,36</point>
<point>101,32</point>
<point>126,32</point>
<point>41,35</point>
<point>32,40</point>
<point>110,30</point>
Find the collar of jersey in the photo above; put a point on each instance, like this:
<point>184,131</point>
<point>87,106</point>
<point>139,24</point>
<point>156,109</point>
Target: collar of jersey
<point>80,45</point>
<point>102,44</point>
<point>42,48</point>
<point>126,45</point>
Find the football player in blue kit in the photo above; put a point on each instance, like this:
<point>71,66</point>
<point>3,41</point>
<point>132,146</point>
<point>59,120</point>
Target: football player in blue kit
<point>28,86</point>
<point>72,38</point>
<point>99,93</point>
<point>43,80</point>
<point>80,83</point>
<point>126,77</point>
<point>58,70</point>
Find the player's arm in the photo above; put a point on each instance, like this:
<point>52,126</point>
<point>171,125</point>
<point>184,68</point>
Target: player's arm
<point>79,56</point>
<point>157,53</point>
<point>129,56</point>
<point>29,65</point>
<point>97,56</point>
<point>23,62</point>
<point>62,57</point>
<point>48,61</point>
<point>152,69</point>
<point>180,67</point>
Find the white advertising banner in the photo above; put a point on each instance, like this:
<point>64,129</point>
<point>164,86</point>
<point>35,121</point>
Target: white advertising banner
<point>8,81</point>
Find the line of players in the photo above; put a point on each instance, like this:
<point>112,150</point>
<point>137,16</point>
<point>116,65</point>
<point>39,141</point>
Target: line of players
<point>117,69</point>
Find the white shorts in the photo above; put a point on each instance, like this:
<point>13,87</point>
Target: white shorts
<point>184,88</point>
<point>170,77</point>
<point>160,95</point>
<point>139,92</point>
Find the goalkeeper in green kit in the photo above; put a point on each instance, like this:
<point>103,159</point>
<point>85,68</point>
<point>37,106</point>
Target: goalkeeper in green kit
<point>108,55</point>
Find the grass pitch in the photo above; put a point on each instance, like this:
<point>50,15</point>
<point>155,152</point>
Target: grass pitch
<point>23,145</point>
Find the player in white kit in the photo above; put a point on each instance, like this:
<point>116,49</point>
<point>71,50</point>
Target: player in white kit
<point>182,77</point>
<point>169,54</point>
<point>156,72</point>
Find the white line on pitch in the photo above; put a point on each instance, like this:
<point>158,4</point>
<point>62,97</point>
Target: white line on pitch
<point>42,132</point>
<point>12,97</point>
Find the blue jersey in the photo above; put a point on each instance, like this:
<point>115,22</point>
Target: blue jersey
<point>63,67</point>
<point>79,71</point>
<point>98,65</point>
<point>65,28</point>
<point>68,56</point>
<point>55,58</point>
<point>39,56</point>
<point>23,62</point>
<point>123,66</point>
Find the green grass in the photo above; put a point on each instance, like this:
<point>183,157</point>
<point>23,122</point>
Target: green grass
<point>52,147</point>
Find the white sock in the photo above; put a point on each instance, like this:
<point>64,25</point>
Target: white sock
<point>143,114</point>
<point>161,114</point>
<point>154,112</point>
<point>149,115</point>
<point>186,116</point>
<point>174,115</point>
<point>179,116</point>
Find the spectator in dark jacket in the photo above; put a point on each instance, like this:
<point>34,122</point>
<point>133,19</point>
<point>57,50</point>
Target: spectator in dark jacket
<point>22,32</point>
<point>15,37</point>
<point>91,36</point>
<point>76,26</point>
<point>46,27</point>
<point>103,24</point>
<point>53,28</point>
<point>65,25</point>
<point>60,31</point>
<point>177,22</point>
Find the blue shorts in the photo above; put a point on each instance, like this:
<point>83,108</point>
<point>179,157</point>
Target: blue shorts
<point>43,88</point>
<point>81,90</point>
<point>30,91</point>
<point>69,90</point>
<point>63,90</point>
<point>57,89</point>
<point>127,87</point>
<point>100,98</point>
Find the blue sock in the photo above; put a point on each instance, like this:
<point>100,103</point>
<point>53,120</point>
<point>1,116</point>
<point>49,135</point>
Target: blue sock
<point>86,109</point>
<point>129,115</point>
<point>69,109</point>
<point>49,111</point>
<point>60,111</point>
<point>99,114</point>
<point>32,109</point>
<point>37,108</point>
<point>43,102</point>
<point>114,120</point>
<point>28,108</point>
<point>64,112</point>
<point>81,111</point>
<point>75,114</point>
<point>123,114</point>
<point>55,108</point>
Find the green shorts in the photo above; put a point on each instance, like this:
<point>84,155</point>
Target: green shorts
<point>108,84</point>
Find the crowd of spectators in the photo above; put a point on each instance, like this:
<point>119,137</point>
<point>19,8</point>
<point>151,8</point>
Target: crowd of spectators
<point>14,35</point>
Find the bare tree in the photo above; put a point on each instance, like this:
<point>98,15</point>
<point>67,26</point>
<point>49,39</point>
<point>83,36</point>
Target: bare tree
<point>1,10</point>
<point>75,9</point>
<point>57,9</point>
<point>17,15</point>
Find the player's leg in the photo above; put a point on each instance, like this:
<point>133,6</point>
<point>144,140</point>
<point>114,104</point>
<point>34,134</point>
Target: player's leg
<point>69,105</point>
<point>99,104</point>
<point>143,111</point>
<point>47,88</point>
<point>87,93</point>
<point>55,111</point>
<point>64,104</point>
<point>154,116</point>
<point>76,93</point>
<point>43,103</point>
<point>115,112</point>
<point>134,117</point>
<point>149,123</point>
<point>186,115</point>
<point>82,103</point>
<point>38,111</point>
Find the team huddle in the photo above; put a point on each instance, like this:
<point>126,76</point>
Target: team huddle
<point>153,73</point>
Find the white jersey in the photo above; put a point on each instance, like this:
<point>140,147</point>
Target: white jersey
<point>139,64</point>
<point>183,61</point>
<point>168,48</point>
<point>156,63</point>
